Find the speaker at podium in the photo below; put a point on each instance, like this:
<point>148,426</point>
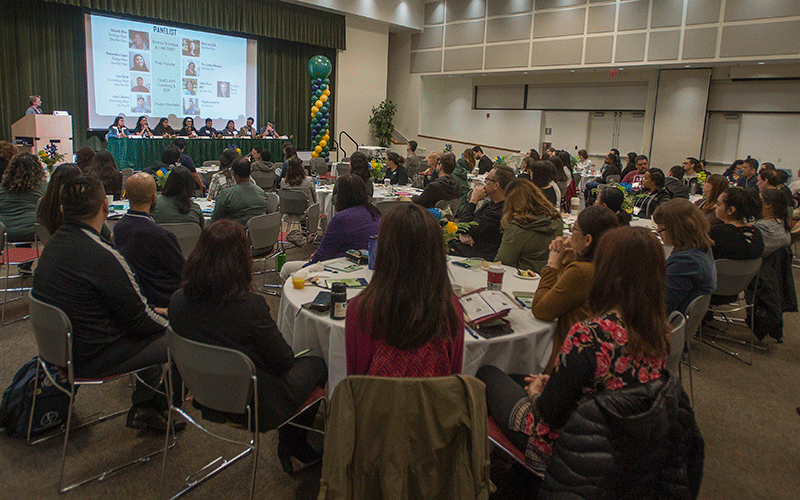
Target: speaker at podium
<point>32,133</point>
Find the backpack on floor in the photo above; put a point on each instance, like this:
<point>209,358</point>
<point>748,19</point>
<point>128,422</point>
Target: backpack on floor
<point>51,403</point>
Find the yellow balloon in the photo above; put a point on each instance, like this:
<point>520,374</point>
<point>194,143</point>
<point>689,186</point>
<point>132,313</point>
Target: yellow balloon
<point>318,149</point>
<point>326,92</point>
<point>323,143</point>
<point>323,98</point>
<point>318,103</point>
<point>326,137</point>
<point>315,109</point>
<point>313,113</point>
<point>314,154</point>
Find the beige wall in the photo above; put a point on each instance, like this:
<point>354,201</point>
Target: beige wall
<point>398,13</point>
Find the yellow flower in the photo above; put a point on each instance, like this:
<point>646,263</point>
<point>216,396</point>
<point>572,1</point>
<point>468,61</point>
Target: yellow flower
<point>451,227</point>
<point>159,173</point>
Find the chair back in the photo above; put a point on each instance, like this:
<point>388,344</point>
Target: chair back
<point>342,168</point>
<point>695,312</point>
<point>733,276</point>
<point>264,180</point>
<point>454,205</point>
<point>211,163</point>
<point>53,332</point>
<point>217,377</point>
<point>126,172</point>
<point>40,233</point>
<point>613,179</point>
<point>273,202</point>
<point>3,239</point>
<point>677,339</point>
<point>386,206</point>
<point>319,166</point>
<point>312,219</point>
<point>187,233</point>
<point>293,202</point>
<point>263,231</point>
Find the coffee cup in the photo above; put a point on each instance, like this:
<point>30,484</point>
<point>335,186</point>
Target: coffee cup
<point>494,277</point>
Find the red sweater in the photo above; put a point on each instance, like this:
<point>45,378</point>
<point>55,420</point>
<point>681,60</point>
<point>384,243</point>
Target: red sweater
<point>367,356</point>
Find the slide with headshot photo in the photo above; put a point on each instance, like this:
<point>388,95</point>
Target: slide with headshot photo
<point>160,70</point>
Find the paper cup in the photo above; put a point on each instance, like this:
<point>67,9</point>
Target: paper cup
<point>298,282</point>
<point>494,277</point>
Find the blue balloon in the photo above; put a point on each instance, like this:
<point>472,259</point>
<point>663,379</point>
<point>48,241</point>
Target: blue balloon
<point>326,81</point>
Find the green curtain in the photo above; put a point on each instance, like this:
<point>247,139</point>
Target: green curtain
<point>267,18</point>
<point>42,52</point>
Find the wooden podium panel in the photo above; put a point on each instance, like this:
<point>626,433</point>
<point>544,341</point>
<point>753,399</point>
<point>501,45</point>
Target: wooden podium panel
<point>38,131</point>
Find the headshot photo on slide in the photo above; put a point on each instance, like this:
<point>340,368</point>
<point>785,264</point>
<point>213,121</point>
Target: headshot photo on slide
<point>139,61</point>
<point>223,89</point>
<point>190,86</point>
<point>139,40</point>
<point>191,47</point>
<point>190,107</point>
<point>140,84</point>
<point>191,69</point>
<point>140,104</point>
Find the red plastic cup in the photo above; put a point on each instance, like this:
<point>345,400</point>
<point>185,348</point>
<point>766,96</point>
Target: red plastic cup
<point>494,277</point>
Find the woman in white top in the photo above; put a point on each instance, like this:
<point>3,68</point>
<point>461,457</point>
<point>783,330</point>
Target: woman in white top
<point>584,163</point>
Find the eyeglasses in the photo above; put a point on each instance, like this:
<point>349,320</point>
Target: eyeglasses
<point>659,231</point>
<point>489,179</point>
<point>574,227</point>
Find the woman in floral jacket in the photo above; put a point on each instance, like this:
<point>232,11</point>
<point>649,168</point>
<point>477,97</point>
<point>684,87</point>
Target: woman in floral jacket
<point>626,344</point>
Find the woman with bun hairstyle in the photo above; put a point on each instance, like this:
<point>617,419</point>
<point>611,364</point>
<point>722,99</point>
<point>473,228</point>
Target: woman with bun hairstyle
<point>613,198</point>
<point>395,171</point>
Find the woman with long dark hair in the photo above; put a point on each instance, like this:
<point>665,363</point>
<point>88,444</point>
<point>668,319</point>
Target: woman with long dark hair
<point>224,178</point>
<point>105,168</point>
<point>563,292</point>
<point>117,129</point>
<point>625,344</point>
<point>48,213</point>
<point>395,171</point>
<point>188,129</point>
<point>736,238</point>
<point>142,128</point>
<point>230,129</point>
<point>163,128</point>
<point>217,305</point>
<point>175,204</point>
<point>406,324</point>
<point>690,266</point>
<point>613,199</point>
<point>297,180</point>
<point>713,187</point>
<point>774,221</point>
<point>530,223</point>
<point>359,165</point>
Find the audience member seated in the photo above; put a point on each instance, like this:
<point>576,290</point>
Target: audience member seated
<point>624,345</point>
<point>484,162</point>
<point>630,166</point>
<point>483,239</point>
<point>609,168</point>
<point>783,178</point>
<point>84,157</point>
<point>289,152</point>
<point>636,178</point>
<point>445,187</point>
<point>432,160</point>
<point>223,179</point>
<point>653,185</point>
<point>733,172</point>
<point>412,160</point>
<point>20,189</point>
<point>691,167</point>
<point>541,174</point>
<point>153,252</point>
<point>174,204</point>
<point>674,183</point>
<point>563,292</point>
<point>105,168</point>
<point>358,166</point>
<point>8,151</point>
<point>690,266</point>
<point>217,306</point>
<point>243,201</point>
<point>735,238</point>
<point>187,162</point>
<point>584,163</point>
<point>170,157</point>
<point>613,198</point>
<point>113,328</point>
<point>774,221</point>
<point>163,128</point>
<point>529,224</point>
<point>406,324</point>
<point>749,177</point>
<point>461,172</point>
<point>560,177</point>
<point>713,187</point>
<point>395,171</point>
<point>296,179</point>
<point>261,160</point>
<point>355,220</point>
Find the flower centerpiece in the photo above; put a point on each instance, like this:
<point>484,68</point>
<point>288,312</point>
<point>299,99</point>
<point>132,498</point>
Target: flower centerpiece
<point>161,176</point>
<point>448,148</point>
<point>450,229</point>
<point>503,160</point>
<point>235,147</point>
<point>377,170</point>
<point>701,177</point>
<point>50,156</point>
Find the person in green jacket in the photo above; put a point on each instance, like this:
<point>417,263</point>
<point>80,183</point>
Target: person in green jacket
<point>464,165</point>
<point>21,187</point>
<point>529,223</point>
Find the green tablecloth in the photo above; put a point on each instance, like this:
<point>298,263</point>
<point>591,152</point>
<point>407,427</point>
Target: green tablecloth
<point>141,153</point>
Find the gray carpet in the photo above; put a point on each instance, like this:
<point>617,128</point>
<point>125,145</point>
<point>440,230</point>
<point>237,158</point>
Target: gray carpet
<point>747,415</point>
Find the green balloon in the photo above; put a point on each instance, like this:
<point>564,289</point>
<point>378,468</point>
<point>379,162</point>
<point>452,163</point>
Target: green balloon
<point>327,81</point>
<point>318,137</point>
<point>318,115</point>
<point>315,120</point>
<point>319,67</point>
<point>326,149</point>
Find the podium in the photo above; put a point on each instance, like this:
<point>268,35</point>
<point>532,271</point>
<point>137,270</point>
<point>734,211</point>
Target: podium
<point>32,133</point>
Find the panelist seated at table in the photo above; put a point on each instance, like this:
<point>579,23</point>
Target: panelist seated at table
<point>163,128</point>
<point>243,201</point>
<point>188,129</point>
<point>174,204</point>
<point>445,187</point>
<point>483,239</point>
<point>229,130</point>
<point>624,346</point>
<point>142,127</point>
<point>407,322</point>
<point>207,130</point>
<point>152,251</point>
<point>529,224</point>
<point>395,171</point>
<point>268,130</point>
<point>356,219</point>
<point>563,292</point>
<point>359,165</point>
<point>117,130</point>
<point>248,130</point>
<point>217,306</point>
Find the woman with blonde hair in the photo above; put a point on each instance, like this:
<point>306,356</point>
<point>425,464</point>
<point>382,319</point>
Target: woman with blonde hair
<point>713,186</point>
<point>690,266</point>
<point>529,223</point>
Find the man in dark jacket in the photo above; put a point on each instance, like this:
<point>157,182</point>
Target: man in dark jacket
<point>653,184</point>
<point>483,240</point>
<point>674,183</point>
<point>445,187</point>
<point>484,162</point>
<point>114,330</point>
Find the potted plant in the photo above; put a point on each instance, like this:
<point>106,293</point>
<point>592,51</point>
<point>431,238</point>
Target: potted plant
<point>381,121</point>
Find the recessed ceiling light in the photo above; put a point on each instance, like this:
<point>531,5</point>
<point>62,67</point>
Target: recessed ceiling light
<point>687,66</point>
<point>572,71</point>
<point>622,69</point>
<point>762,62</point>
<point>525,73</point>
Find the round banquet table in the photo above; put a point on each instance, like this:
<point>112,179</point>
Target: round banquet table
<point>325,195</point>
<point>526,350</point>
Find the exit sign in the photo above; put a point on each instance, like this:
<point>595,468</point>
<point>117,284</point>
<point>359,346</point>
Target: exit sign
<point>613,72</point>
